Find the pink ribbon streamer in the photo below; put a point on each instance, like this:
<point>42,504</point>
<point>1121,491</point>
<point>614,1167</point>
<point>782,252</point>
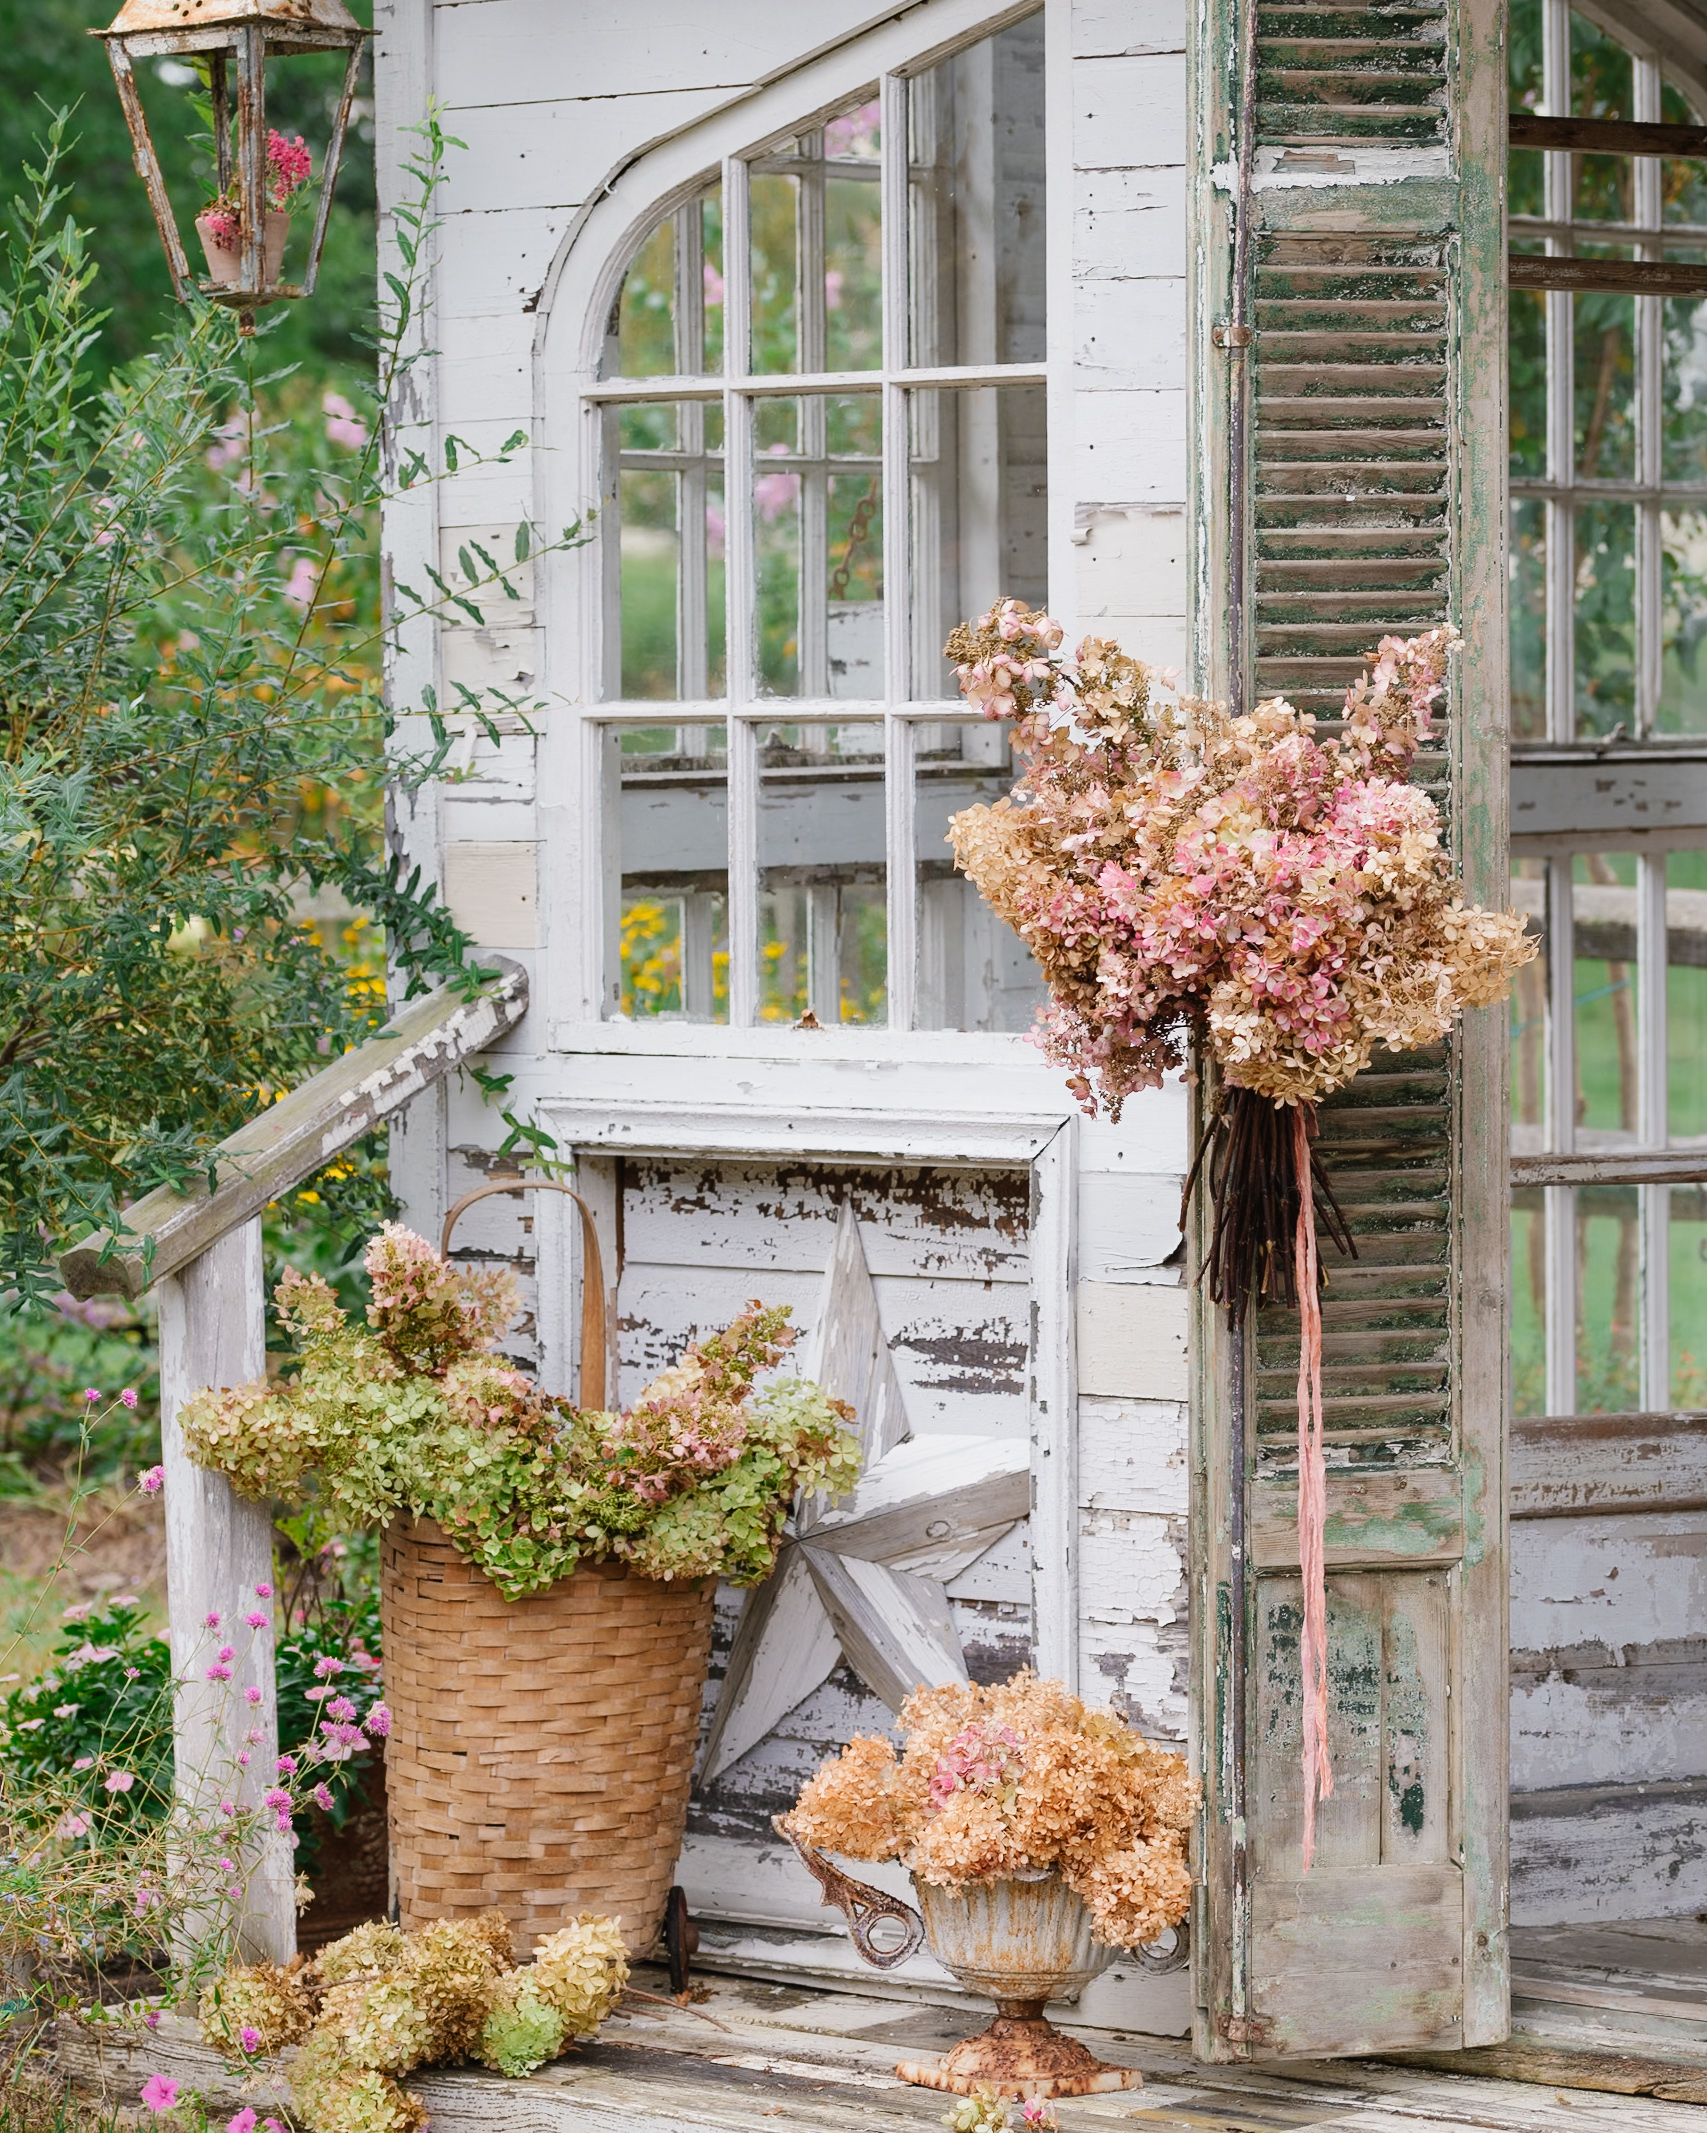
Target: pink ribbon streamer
<point>1312,1495</point>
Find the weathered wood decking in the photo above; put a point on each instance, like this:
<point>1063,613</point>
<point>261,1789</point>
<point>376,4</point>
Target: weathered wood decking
<point>824,2062</point>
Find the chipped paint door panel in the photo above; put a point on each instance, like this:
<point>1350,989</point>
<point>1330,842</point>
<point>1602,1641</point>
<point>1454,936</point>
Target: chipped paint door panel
<point>1368,500</point>
<point>950,1258</point>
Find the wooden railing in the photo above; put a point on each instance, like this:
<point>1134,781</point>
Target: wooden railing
<point>202,1253</point>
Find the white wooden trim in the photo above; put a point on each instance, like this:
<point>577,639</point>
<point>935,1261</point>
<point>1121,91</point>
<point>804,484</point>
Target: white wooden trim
<point>821,1132</point>
<point>1054,1412</point>
<point>785,385</point>
<point>219,1548</point>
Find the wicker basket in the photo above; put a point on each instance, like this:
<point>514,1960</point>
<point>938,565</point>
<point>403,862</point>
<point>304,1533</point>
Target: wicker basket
<point>541,1749</point>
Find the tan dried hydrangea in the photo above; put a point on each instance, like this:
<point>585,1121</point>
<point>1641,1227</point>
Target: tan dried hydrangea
<point>450,1968</point>
<point>333,2095</point>
<point>1009,1779</point>
<point>367,1952</point>
<point>379,2023</point>
<point>581,1971</point>
<point>273,2003</point>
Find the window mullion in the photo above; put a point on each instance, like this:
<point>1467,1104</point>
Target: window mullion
<point>1561,1138</point>
<point>1561,427</point>
<point>1648,381</point>
<point>1654,1200</point>
<point>739,594</point>
<point>813,435</point>
<point>900,871</point>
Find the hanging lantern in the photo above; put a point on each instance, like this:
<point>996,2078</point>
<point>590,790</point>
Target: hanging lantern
<point>243,229</point>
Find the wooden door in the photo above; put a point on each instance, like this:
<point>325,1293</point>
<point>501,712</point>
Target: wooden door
<point>1351,485</point>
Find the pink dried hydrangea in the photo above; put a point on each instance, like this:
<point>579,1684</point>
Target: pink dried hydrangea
<point>1179,873</point>
<point>289,167</point>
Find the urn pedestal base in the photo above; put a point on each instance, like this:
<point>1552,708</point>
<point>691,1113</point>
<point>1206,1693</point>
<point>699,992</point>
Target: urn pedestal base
<point>1020,2055</point>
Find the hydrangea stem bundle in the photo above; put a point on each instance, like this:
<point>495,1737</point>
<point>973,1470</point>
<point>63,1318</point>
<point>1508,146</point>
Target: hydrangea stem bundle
<point>1185,877</point>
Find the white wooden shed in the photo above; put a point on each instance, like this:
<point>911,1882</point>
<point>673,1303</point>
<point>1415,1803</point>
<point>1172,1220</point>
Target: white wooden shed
<point>1193,321</point>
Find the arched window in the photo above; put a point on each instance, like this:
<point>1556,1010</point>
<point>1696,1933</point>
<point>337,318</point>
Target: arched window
<point>822,411</point>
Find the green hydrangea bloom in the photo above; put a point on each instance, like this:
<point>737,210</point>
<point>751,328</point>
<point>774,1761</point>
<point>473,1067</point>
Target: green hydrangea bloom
<point>414,1411</point>
<point>522,2031</point>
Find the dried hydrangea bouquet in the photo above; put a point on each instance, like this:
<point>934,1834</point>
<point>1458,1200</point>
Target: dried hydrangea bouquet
<point>1282,903</point>
<point>547,1572</point>
<point>1042,1836</point>
<point>379,2003</point>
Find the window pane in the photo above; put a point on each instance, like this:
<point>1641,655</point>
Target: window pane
<point>1529,1016</point>
<point>672,836</point>
<point>1528,1302</point>
<point>1527,561</point>
<point>669,318</point>
<point>818,542</point>
<point>1686,997</point>
<point>976,273</point>
<point>980,513</point>
<point>853,242</point>
<point>1605,618</point>
<point>1528,371</point>
<point>774,216</point>
<point>1688,1273</point>
<point>646,316</point>
<point>669,514</point>
<point>1683,385</point>
<point>823,920</point>
<point>974,972</point>
<point>1602,74</point>
<point>1683,623</point>
<point>1604,331</point>
<point>1608,1234</point>
<point>1605,985</point>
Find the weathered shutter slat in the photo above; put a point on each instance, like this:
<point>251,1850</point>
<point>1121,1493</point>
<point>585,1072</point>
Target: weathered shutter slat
<point>1371,495</point>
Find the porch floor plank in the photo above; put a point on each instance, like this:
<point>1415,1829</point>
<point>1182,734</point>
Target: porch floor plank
<point>823,2062</point>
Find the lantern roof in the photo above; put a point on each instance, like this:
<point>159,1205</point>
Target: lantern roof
<point>141,18</point>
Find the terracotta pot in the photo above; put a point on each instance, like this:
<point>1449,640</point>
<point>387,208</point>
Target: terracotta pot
<point>226,267</point>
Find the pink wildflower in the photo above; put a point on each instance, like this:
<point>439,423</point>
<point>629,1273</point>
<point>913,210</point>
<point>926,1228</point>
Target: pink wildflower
<point>251,1695</point>
<point>92,1395</point>
<point>287,1766</point>
<point>212,1621</point>
<point>128,1396</point>
<point>256,1620</point>
<point>159,2093</point>
<point>379,1720</point>
<point>153,1481</point>
<point>277,1797</point>
<point>119,1780</point>
<point>151,2020</point>
<point>242,2122</point>
<point>219,1673</point>
<point>323,1799</point>
<point>341,1707</point>
<point>250,2039</point>
<point>73,1826</point>
<point>288,168</point>
<point>326,1667</point>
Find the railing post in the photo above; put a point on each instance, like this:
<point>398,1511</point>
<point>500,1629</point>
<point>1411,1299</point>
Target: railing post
<point>219,1548</point>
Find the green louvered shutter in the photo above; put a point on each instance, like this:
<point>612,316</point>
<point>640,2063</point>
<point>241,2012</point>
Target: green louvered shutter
<point>1370,503</point>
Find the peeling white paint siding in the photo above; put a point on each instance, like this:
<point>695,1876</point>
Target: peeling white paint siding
<point>553,99</point>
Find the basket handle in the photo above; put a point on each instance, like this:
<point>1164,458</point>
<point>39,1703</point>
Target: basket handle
<point>595,1335</point>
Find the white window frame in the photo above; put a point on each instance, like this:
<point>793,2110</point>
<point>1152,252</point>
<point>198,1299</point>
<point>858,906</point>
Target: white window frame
<point>1560,488</point>
<point>576,304</point>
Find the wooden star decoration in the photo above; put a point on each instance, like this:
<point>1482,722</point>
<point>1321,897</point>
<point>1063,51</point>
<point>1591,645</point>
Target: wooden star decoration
<point>863,1577</point>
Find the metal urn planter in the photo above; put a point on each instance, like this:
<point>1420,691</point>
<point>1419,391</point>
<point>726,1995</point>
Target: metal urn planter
<point>1022,1942</point>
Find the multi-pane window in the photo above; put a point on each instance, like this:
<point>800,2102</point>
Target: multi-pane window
<point>822,407</point>
<point>1609,624</point>
<point>1608,409</point>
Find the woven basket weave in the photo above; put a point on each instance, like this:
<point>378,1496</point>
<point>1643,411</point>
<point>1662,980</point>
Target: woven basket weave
<point>541,1749</point>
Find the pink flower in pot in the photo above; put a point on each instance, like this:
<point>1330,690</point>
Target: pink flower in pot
<point>220,223</point>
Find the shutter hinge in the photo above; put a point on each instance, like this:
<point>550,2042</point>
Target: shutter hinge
<point>1236,338</point>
